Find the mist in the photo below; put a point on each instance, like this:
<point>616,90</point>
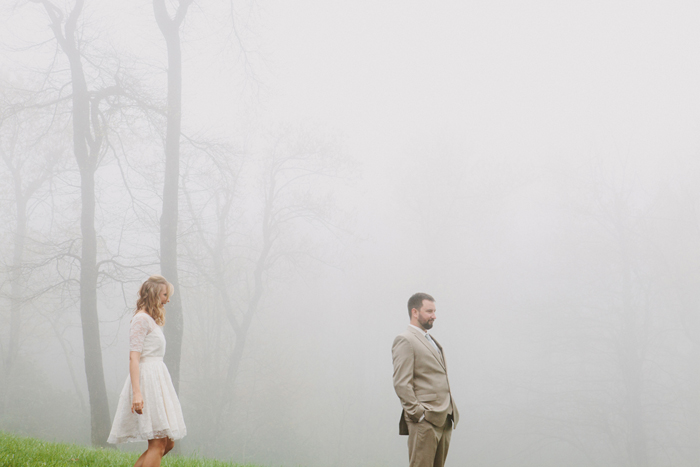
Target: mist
<point>533,166</point>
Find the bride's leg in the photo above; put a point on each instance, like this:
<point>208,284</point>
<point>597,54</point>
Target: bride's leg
<point>169,446</point>
<point>139,461</point>
<point>154,453</point>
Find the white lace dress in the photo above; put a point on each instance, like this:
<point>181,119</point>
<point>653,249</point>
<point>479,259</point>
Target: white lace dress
<point>162,414</point>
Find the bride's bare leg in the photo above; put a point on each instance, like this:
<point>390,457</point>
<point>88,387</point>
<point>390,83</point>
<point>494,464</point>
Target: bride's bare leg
<point>139,461</point>
<point>169,446</point>
<point>155,452</point>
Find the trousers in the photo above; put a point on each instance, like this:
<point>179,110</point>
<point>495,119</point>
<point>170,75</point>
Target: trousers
<point>428,444</point>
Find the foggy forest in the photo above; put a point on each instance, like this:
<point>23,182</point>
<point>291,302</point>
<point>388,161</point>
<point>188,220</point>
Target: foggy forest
<point>298,169</point>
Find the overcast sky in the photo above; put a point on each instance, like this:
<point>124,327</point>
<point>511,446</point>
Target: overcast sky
<point>468,128</point>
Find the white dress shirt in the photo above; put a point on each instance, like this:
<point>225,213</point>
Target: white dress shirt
<point>427,336</point>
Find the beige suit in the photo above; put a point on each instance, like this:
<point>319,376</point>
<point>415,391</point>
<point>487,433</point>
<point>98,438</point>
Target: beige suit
<point>420,381</point>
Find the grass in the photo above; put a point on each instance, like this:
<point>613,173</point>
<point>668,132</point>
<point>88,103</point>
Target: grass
<point>16,451</point>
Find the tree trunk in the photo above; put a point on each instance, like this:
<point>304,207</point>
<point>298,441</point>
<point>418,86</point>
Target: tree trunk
<point>99,408</point>
<point>16,291</point>
<point>170,28</point>
<point>16,287</point>
<point>241,329</point>
<point>86,146</point>
<point>632,368</point>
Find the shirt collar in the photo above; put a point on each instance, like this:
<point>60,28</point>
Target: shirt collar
<point>422,331</point>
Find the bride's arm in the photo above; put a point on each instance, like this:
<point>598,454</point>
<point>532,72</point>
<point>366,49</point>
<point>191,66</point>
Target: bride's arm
<point>140,327</point>
<point>135,374</point>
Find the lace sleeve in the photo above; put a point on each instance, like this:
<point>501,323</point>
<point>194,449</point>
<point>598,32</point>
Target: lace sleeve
<point>139,329</point>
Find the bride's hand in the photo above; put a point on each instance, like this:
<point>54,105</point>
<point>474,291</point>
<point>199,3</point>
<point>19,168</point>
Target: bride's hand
<point>137,404</point>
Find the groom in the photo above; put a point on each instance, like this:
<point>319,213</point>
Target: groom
<point>420,381</point>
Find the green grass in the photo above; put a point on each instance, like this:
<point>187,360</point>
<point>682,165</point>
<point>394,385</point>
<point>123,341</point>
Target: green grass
<point>16,451</point>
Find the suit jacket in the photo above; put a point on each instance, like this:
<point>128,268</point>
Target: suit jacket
<point>420,380</point>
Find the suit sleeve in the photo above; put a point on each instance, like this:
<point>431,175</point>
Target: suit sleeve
<point>404,359</point>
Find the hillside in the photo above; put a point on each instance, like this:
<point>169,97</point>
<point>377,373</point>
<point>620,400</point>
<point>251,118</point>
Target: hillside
<point>16,451</point>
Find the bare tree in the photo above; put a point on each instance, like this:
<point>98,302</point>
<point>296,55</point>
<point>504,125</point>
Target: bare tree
<point>170,28</point>
<point>599,399</point>
<point>90,113</point>
<point>31,155</point>
<point>241,245</point>
<point>678,218</point>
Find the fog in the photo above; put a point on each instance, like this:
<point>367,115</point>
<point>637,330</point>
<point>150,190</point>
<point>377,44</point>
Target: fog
<point>533,166</point>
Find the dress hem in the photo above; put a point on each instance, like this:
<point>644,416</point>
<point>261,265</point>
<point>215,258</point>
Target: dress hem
<point>173,435</point>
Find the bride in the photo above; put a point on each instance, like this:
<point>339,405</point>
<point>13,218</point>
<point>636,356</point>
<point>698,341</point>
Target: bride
<point>149,409</point>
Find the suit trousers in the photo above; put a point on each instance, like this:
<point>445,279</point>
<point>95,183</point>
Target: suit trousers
<point>428,444</point>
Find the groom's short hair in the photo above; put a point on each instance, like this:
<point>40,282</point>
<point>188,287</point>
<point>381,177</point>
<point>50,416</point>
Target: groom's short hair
<point>416,301</point>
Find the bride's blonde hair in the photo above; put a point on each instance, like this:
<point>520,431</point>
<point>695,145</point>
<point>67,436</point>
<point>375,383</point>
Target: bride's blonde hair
<point>149,298</point>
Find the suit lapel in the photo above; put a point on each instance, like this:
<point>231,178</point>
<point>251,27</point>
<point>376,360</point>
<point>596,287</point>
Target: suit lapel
<point>424,340</point>
<point>442,353</point>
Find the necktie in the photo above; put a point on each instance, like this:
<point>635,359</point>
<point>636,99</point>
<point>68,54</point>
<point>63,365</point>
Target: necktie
<point>427,336</point>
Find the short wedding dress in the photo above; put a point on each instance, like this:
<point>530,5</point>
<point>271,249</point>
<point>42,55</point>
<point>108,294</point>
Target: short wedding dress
<point>162,414</point>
